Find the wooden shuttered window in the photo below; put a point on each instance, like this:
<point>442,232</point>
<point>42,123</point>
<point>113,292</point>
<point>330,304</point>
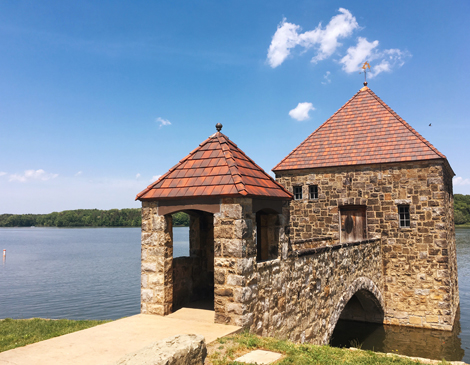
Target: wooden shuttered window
<point>353,223</point>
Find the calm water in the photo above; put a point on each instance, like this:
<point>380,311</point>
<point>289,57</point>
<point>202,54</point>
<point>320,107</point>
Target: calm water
<point>75,273</point>
<point>94,273</point>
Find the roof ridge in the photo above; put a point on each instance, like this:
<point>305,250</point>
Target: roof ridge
<point>260,168</point>
<point>316,130</point>
<point>232,166</point>
<point>405,124</point>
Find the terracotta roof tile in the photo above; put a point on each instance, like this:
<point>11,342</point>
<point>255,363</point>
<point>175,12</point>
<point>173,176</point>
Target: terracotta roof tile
<point>216,168</point>
<point>365,130</point>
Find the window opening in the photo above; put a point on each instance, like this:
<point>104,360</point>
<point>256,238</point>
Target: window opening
<point>313,191</point>
<point>404,212</point>
<point>180,234</point>
<point>353,223</point>
<point>297,192</point>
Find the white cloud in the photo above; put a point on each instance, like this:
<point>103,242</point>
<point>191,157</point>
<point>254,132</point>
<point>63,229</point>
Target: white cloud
<point>137,176</point>
<point>285,38</point>
<point>155,178</point>
<point>78,173</point>
<point>357,55</point>
<point>2,173</point>
<point>29,175</point>
<point>460,181</point>
<point>163,122</point>
<point>326,78</point>
<point>325,39</point>
<point>300,112</point>
<point>364,50</point>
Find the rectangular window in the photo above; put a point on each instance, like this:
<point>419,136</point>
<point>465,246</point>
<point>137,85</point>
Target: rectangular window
<point>297,192</point>
<point>404,213</point>
<point>313,191</point>
<point>353,223</point>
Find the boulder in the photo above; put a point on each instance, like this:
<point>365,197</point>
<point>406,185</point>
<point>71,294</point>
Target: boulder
<point>176,350</point>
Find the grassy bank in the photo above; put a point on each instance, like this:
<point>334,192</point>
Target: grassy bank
<point>226,349</point>
<point>21,332</point>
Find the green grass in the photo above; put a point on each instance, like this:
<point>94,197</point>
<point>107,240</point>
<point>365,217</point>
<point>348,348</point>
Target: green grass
<point>21,332</point>
<point>298,354</point>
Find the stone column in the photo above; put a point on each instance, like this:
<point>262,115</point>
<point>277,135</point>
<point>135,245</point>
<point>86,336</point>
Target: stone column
<point>234,251</point>
<point>156,261</point>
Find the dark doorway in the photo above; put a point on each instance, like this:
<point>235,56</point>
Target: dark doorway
<point>267,235</point>
<point>193,276</point>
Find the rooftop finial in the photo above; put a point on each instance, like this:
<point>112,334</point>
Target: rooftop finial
<point>365,67</point>
<point>218,126</point>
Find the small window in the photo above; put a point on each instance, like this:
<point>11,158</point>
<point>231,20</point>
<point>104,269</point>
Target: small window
<point>404,213</point>
<point>313,191</point>
<point>297,192</point>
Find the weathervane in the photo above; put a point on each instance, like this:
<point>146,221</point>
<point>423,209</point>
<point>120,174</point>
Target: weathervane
<point>365,68</point>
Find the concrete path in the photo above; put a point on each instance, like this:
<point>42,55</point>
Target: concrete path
<point>107,343</point>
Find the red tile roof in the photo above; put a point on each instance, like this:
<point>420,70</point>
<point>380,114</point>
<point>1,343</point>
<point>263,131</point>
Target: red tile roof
<point>365,130</point>
<point>216,168</point>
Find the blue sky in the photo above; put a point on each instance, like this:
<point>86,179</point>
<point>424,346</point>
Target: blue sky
<point>98,98</point>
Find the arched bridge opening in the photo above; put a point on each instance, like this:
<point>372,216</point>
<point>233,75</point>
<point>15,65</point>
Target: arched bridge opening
<point>361,302</point>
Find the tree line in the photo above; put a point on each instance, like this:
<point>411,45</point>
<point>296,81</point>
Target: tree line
<point>85,218</point>
<point>132,217</point>
<point>461,209</point>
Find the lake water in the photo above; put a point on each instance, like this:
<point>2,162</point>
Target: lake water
<point>94,273</point>
<point>75,273</point>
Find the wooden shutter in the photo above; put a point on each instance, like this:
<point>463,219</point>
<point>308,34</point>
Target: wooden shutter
<point>353,223</point>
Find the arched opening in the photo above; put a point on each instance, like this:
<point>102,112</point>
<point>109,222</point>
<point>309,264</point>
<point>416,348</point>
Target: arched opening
<point>267,235</point>
<point>363,307</point>
<point>193,274</point>
<point>361,318</point>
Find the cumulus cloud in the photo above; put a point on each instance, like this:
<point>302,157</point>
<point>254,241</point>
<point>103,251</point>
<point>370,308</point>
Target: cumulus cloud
<point>325,40</point>
<point>30,175</point>
<point>2,173</point>
<point>155,178</point>
<point>163,122</point>
<point>460,181</point>
<point>78,173</point>
<point>137,176</point>
<point>300,112</point>
<point>357,55</point>
<point>385,61</point>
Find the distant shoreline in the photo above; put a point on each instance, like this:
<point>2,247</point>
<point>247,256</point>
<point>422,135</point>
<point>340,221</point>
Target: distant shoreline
<point>85,218</point>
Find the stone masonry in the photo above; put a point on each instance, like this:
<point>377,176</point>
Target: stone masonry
<point>299,295</point>
<point>419,263</point>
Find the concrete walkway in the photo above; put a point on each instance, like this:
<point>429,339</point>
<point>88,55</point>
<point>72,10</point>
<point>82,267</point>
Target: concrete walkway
<point>107,343</point>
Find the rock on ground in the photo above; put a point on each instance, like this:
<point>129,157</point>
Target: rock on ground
<point>176,350</point>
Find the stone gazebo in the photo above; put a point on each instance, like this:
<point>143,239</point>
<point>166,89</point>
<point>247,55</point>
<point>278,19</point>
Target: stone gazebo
<point>236,220</point>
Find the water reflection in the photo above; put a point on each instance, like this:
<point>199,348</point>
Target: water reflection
<point>409,341</point>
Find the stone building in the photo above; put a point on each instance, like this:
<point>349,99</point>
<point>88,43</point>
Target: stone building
<point>358,225</point>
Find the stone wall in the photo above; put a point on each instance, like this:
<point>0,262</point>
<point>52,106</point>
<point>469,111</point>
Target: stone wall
<point>419,262</point>
<point>234,253</point>
<point>156,261</point>
<point>301,298</point>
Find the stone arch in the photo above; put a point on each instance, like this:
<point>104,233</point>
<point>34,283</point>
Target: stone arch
<point>362,285</point>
